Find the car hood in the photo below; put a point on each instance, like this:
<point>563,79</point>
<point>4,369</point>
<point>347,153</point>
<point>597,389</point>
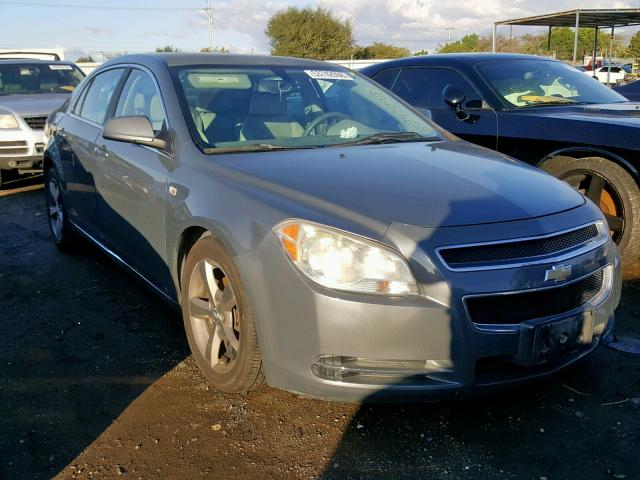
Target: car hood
<point>37,104</point>
<point>447,183</point>
<point>623,113</point>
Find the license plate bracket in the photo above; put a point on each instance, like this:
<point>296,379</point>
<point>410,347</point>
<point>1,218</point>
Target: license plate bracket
<point>544,341</point>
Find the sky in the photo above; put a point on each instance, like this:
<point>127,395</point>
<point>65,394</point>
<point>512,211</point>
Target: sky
<point>239,24</point>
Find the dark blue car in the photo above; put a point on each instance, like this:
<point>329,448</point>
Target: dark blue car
<point>631,91</point>
<point>538,110</point>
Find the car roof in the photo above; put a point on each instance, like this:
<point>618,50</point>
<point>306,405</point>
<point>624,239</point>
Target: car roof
<point>22,61</point>
<point>454,59</point>
<point>180,59</point>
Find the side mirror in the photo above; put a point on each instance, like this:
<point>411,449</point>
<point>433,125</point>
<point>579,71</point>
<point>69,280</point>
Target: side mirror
<point>454,97</point>
<point>132,129</point>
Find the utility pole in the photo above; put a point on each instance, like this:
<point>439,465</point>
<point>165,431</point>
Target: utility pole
<point>448,29</point>
<point>209,13</point>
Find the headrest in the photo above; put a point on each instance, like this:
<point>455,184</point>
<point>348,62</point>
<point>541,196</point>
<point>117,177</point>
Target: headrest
<point>204,98</point>
<point>275,85</point>
<point>264,103</point>
<point>226,100</point>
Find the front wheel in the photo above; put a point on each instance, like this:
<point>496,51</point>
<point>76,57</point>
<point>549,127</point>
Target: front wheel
<point>218,319</point>
<point>610,187</point>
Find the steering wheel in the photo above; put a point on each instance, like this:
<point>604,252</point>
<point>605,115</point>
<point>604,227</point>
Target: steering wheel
<point>323,118</point>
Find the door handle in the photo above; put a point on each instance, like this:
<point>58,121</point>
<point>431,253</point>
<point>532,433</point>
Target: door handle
<point>101,151</point>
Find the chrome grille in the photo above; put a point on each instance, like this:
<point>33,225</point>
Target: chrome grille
<point>13,147</point>
<point>517,250</point>
<point>36,123</point>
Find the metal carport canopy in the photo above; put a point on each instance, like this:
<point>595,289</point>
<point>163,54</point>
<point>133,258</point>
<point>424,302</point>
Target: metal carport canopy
<point>590,18</point>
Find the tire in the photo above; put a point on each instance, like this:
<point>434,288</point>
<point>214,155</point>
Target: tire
<point>619,196</point>
<point>61,230</point>
<point>212,314</point>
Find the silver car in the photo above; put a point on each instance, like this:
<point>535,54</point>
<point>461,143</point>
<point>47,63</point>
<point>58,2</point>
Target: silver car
<point>30,90</point>
<point>318,233</point>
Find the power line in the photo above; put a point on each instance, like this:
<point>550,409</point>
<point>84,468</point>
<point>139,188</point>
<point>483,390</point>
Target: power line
<point>96,7</point>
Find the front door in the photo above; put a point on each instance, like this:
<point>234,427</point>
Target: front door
<point>132,186</point>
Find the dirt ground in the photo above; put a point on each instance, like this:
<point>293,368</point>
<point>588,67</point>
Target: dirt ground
<point>96,382</point>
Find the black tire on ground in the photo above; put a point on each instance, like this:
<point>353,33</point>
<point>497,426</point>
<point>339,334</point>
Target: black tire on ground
<point>245,372</point>
<point>64,236</point>
<point>620,192</point>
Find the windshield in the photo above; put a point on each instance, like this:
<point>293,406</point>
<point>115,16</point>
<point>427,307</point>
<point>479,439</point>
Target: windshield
<point>258,108</point>
<point>38,78</point>
<point>525,83</point>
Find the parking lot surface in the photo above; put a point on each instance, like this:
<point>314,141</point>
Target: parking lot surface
<point>96,382</point>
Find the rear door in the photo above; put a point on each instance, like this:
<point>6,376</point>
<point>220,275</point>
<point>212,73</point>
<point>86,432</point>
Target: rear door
<point>80,156</point>
<point>132,184</point>
<point>422,87</point>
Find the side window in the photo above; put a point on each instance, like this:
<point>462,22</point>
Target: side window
<point>387,77</point>
<point>99,93</point>
<point>140,97</point>
<point>422,87</point>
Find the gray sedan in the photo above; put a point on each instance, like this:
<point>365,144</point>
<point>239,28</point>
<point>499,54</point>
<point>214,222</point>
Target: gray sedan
<point>318,233</point>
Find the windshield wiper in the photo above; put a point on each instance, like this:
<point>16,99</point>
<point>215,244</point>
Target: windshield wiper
<point>389,137</point>
<point>254,147</point>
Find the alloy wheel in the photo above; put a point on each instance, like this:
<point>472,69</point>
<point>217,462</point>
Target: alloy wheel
<point>599,190</point>
<point>214,315</point>
<point>54,207</point>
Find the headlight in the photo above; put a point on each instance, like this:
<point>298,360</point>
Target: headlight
<point>8,121</point>
<point>339,260</point>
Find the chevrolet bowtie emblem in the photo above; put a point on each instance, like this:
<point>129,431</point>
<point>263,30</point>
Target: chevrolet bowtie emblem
<point>558,273</point>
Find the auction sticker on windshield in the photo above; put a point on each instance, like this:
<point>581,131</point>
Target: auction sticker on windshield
<point>327,75</point>
<point>60,67</point>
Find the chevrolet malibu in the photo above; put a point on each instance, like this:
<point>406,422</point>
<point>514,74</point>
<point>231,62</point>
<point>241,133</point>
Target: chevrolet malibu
<point>320,235</point>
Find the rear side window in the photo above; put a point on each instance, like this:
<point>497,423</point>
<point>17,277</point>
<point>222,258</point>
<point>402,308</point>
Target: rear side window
<point>78,104</point>
<point>387,78</point>
<point>140,97</point>
<point>422,87</point>
<point>96,102</point>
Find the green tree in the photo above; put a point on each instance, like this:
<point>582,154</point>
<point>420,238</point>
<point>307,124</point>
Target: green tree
<point>222,49</point>
<point>167,48</point>
<point>468,43</point>
<point>562,40</point>
<point>633,50</point>
<point>380,50</point>
<point>309,33</point>
<point>421,52</point>
<point>85,59</point>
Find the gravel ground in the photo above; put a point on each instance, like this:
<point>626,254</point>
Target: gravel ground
<point>96,382</point>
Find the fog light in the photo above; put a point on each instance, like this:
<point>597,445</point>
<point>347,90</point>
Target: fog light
<point>372,371</point>
<point>13,164</point>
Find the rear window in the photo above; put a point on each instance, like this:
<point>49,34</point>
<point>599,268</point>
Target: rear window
<point>28,78</point>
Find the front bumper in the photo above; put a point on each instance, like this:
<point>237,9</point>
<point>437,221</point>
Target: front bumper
<point>306,331</point>
<point>21,148</point>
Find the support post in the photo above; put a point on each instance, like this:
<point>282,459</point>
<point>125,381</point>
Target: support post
<point>610,49</point>
<point>549,40</point>
<point>595,51</point>
<point>493,42</point>
<point>575,37</point>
